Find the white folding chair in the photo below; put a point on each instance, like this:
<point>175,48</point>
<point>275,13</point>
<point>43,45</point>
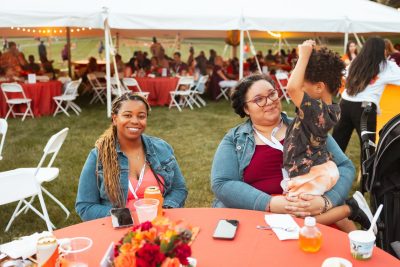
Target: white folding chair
<point>49,173</point>
<point>64,79</point>
<point>225,87</point>
<point>99,90</point>
<point>17,185</point>
<point>69,95</point>
<point>131,82</point>
<point>199,89</point>
<point>282,79</point>
<point>11,102</point>
<point>117,88</point>
<point>3,132</point>
<point>184,95</point>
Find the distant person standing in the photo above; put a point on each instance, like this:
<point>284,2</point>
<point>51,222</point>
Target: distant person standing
<point>42,51</point>
<point>5,44</point>
<point>101,49</point>
<point>157,50</point>
<point>65,53</point>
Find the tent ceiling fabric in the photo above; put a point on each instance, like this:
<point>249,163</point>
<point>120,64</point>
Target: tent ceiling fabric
<point>212,15</point>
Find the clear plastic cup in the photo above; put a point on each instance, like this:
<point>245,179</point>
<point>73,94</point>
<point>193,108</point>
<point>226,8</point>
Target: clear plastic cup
<point>361,244</point>
<point>72,251</point>
<point>146,209</point>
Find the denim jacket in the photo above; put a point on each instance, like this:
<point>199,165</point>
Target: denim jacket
<point>92,201</point>
<point>234,154</point>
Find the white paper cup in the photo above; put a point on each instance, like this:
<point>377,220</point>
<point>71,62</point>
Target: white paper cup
<point>72,250</point>
<point>146,209</point>
<point>361,244</point>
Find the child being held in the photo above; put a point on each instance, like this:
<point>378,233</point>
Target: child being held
<point>309,166</point>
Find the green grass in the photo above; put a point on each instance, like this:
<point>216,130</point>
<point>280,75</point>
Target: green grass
<point>194,135</point>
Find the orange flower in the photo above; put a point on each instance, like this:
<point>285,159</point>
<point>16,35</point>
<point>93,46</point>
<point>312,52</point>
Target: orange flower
<point>125,248</point>
<point>171,262</point>
<point>125,260</point>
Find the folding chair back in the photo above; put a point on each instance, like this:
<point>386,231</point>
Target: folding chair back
<point>64,80</point>
<point>16,88</point>
<point>72,88</point>
<point>115,85</point>
<point>52,147</point>
<point>186,81</point>
<point>12,88</point>
<point>17,185</point>
<point>201,84</point>
<point>131,82</point>
<point>94,82</point>
<point>282,79</point>
<point>3,132</point>
<point>13,189</point>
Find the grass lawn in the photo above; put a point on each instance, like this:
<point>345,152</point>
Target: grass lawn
<point>194,135</point>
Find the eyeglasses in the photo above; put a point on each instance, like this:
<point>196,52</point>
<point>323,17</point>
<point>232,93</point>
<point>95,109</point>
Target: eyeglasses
<point>261,101</point>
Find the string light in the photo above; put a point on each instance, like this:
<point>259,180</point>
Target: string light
<point>276,35</point>
<point>83,29</point>
<point>33,30</point>
<point>60,31</point>
<point>40,31</point>
<point>90,28</point>
<point>23,29</point>
<point>77,30</point>
<point>29,30</point>
<point>12,28</point>
<point>18,29</point>
<point>48,31</point>
<point>72,30</point>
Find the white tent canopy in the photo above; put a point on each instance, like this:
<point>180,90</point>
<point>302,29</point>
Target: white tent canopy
<point>285,15</point>
<point>341,16</point>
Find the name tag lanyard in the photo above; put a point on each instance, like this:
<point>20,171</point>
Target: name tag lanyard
<point>274,143</point>
<point>138,184</point>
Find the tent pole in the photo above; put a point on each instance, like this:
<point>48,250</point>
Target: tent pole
<point>241,55</point>
<point>108,71</point>
<point>69,51</point>
<point>346,40</point>
<point>117,42</point>
<point>358,40</point>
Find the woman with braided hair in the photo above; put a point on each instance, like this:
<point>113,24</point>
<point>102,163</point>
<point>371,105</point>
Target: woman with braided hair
<point>125,161</point>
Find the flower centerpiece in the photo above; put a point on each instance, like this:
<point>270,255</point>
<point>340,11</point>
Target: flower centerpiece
<point>160,243</point>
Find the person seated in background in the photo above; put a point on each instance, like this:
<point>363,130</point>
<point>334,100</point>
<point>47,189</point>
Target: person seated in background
<point>11,76</point>
<point>213,55</point>
<point>191,56</point>
<point>120,64</point>
<point>233,68</point>
<point>92,65</point>
<point>218,74</point>
<point>154,67</point>
<point>269,58</point>
<point>351,53</point>
<point>125,161</point>
<point>47,66</point>
<point>13,59</point>
<point>179,67</point>
<point>144,62</point>
<point>391,52</point>
<point>32,67</point>
<point>292,58</point>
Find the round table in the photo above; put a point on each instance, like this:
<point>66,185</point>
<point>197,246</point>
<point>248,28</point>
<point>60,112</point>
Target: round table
<point>159,89</point>
<point>251,247</point>
<point>41,93</point>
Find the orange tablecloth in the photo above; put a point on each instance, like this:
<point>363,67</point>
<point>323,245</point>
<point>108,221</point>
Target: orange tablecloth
<point>41,94</point>
<point>158,88</point>
<point>251,247</point>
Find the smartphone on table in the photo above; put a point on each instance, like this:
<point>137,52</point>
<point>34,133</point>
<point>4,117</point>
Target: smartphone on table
<point>226,229</point>
<point>121,217</point>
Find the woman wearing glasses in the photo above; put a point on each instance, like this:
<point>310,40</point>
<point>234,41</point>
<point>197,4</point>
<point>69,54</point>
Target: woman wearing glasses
<point>247,171</point>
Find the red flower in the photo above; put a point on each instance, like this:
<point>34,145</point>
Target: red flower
<point>146,226</point>
<point>182,252</point>
<point>149,256</point>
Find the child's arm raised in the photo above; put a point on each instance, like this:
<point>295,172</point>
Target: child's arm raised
<point>296,80</point>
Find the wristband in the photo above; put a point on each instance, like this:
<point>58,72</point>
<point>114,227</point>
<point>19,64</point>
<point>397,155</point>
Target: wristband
<point>326,204</point>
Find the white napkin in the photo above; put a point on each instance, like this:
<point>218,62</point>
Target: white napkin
<point>284,221</point>
<point>23,247</point>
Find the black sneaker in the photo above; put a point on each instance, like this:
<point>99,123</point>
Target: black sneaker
<point>360,211</point>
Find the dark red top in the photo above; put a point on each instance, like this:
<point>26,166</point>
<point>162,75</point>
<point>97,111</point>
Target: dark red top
<point>265,170</point>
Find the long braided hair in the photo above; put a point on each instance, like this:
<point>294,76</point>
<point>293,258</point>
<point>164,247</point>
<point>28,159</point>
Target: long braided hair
<point>107,152</point>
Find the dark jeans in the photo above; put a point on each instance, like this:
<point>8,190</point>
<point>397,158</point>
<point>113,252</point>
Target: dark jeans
<point>350,119</point>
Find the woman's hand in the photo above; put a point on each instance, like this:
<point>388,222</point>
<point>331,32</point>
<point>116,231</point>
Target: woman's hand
<point>305,49</point>
<point>305,205</point>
